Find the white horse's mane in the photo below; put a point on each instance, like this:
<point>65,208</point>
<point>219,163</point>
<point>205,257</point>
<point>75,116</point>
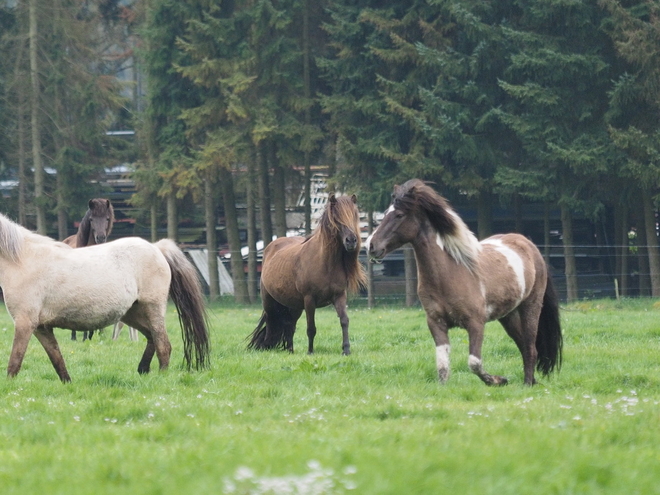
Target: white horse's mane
<point>11,238</point>
<point>462,245</point>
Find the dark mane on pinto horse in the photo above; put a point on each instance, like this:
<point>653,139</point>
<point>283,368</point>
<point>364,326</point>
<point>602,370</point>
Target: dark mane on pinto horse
<point>465,283</point>
<point>301,273</point>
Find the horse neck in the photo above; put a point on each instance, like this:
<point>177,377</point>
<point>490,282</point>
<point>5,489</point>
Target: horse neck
<point>437,266</point>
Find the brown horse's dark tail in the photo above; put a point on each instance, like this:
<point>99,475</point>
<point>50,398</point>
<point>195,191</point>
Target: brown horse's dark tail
<point>549,341</point>
<point>186,293</point>
<point>275,328</point>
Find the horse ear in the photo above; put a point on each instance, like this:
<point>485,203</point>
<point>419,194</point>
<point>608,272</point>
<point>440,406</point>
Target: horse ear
<point>107,202</point>
<point>332,199</point>
<point>354,198</point>
<point>90,204</point>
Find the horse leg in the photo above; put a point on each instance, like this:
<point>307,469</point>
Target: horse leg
<point>73,335</point>
<point>476,336</point>
<point>310,310</point>
<point>47,339</point>
<point>520,326</point>
<point>22,333</point>
<point>438,328</point>
<point>163,347</point>
<point>340,307</point>
<point>147,356</point>
<point>288,319</point>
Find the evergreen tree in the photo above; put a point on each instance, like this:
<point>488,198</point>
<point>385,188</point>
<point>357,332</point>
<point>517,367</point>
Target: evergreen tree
<point>556,80</point>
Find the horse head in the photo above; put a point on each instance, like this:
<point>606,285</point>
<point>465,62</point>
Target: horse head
<point>400,224</point>
<point>417,210</point>
<point>101,219</point>
<point>344,215</point>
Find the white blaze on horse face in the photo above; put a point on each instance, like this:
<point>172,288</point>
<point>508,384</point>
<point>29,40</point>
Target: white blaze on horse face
<point>367,243</point>
<point>442,361</point>
<point>514,260</point>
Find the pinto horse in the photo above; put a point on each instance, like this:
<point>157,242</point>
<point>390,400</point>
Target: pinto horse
<point>94,228</point>
<point>465,283</point>
<point>47,284</point>
<point>307,273</point>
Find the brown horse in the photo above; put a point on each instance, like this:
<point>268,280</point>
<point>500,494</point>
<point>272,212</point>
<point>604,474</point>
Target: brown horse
<point>464,283</point>
<point>307,273</point>
<point>96,225</point>
<point>94,228</point>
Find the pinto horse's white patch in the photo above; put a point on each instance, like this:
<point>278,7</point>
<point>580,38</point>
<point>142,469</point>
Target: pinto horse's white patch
<point>514,260</point>
<point>442,361</point>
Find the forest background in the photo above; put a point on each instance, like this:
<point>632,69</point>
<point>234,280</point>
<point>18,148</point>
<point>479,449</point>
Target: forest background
<point>500,102</point>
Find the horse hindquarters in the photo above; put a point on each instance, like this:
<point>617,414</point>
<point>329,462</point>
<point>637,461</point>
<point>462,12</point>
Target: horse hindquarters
<point>186,293</point>
<point>276,325</point>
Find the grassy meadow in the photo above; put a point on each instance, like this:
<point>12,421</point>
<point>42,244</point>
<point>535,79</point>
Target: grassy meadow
<point>376,422</point>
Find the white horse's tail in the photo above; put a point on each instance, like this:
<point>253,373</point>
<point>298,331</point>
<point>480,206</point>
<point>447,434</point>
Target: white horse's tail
<point>186,292</point>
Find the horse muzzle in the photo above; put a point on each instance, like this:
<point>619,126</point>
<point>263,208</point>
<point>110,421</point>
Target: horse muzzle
<point>350,244</point>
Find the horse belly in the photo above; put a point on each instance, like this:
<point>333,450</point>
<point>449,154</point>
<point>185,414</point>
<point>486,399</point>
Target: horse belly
<point>278,277</point>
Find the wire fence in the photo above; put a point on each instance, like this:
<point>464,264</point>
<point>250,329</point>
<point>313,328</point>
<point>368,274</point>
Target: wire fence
<point>601,272</point>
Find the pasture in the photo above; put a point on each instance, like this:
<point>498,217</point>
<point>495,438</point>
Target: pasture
<point>374,422</point>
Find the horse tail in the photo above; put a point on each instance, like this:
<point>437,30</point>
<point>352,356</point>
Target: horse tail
<point>549,341</point>
<point>186,293</point>
<point>274,328</point>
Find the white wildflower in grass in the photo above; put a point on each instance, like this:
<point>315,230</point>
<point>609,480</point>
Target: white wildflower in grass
<point>317,481</point>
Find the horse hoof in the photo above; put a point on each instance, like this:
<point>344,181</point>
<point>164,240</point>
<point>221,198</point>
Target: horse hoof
<point>499,381</point>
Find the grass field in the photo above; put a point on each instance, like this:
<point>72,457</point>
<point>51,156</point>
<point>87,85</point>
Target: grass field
<point>376,422</point>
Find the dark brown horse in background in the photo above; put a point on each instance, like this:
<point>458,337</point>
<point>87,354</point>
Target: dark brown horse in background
<point>94,228</point>
<point>465,283</point>
<point>307,273</point>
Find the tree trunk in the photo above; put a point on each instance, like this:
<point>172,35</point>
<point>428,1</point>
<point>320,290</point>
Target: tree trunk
<point>484,215</point>
<point>279,194</point>
<point>62,217</point>
<point>233,238</point>
<point>621,226</point>
<point>22,176</point>
<point>153,221</point>
<point>546,233</point>
<point>642,251</point>
<point>307,93</point>
<point>410,269</point>
<point>371,299</point>
<point>252,275</point>
<point>172,217</point>
<point>211,240</point>
<point>652,242</point>
<point>264,195</point>
<point>37,163</point>
<point>569,253</point>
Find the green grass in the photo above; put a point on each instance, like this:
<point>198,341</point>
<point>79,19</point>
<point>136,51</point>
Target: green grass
<point>374,422</point>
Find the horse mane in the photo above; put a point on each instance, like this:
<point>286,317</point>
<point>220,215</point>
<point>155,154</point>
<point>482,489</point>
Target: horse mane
<point>11,238</point>
<point>453,235</point>
<point>340,211</point>
<point>97,207</point>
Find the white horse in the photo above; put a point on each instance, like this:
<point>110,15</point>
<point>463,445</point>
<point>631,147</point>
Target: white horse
<point>47,284</point>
